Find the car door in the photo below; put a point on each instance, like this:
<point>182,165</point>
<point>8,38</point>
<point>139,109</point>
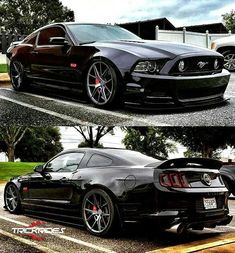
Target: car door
<point>54,186</point>
<point>50,64</point>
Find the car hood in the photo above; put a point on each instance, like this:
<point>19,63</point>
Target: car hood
<point>154,49</point>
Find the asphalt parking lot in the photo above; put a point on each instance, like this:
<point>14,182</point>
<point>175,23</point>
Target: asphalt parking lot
<point>135,238</point>
<point>40,108</point>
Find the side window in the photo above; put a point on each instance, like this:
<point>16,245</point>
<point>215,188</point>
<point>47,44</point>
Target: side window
<point>31,39</point>
<point>46,34</point>
<point>65,163</point>
<point>99,161</point>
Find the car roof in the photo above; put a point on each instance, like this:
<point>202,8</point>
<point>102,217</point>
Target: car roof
<point>119,156</point>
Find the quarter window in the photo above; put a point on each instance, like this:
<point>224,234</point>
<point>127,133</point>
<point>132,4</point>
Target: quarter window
<point>65,163</point>
<point>99,161</point>
<point>46,34</point>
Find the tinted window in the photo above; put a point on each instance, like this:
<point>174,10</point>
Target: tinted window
<point>46,34</point>
<point>88,33</point>
<point>31,39</point>
<point>65,163</point>
<point>99,161</point>
<point>133,157</point>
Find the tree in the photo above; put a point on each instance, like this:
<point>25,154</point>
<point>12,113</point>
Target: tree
<point>39,144</point>
<point>24,17</point>
<point>203,140</point>
<point>10,138</point>
<point>93,135</point>
<point>229,20</point>
<point>148,140</point>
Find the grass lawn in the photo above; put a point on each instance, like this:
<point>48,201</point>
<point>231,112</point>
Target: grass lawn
<point>3,68</point>
<point>8,170</point>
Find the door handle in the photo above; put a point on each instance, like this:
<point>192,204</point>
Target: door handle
<point>34,52</point>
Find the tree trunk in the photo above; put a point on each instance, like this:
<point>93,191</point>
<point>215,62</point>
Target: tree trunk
<point>11,153</point>
<point>207,152</point>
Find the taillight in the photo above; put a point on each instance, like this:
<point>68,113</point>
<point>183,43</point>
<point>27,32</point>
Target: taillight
<point>176,180</point>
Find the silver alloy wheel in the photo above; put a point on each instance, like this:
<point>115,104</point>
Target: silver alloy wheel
<point>11,198</point>
<point>229,60</point>
<point>100,83</point>
<point>17,72</point>
<point>97,213</point>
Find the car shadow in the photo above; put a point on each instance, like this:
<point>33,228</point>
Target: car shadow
<point>77,97</point>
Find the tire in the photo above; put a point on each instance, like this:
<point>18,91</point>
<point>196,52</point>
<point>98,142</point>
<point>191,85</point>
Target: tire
<point>229,58</point>
<point>98,213</point>
<point>17,75</point>
<point>102,85</point>
<point>12,199</point>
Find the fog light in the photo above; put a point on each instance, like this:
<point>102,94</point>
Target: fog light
<point>181,66</point>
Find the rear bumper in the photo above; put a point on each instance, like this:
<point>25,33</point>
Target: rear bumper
<point>202,219</point>
<point>176,91</point>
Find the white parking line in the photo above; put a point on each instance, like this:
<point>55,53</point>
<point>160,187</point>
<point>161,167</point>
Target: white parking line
<point>27,242</point>
<point>77,241</point>
<point>52,113</point>
<point>95,110</point>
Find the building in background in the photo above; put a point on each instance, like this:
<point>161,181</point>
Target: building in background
<point>147,29</point>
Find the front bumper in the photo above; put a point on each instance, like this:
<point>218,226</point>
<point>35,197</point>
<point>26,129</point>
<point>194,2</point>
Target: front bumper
<point>176,91</point>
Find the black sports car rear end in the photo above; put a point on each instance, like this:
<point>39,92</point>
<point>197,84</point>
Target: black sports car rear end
<point>103,187</point>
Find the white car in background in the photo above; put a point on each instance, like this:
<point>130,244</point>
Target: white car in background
<point>226,46</point>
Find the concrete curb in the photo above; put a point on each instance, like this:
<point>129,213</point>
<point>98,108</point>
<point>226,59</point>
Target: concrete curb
<point>4,79</point>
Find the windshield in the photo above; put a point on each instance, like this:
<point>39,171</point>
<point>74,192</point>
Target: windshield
<point>91,33</point>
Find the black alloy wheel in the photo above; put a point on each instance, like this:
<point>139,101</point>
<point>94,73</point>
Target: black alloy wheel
<point>98,212</point>
<point>12,199</point>
<point>17,76</point>
<point>102,85</point>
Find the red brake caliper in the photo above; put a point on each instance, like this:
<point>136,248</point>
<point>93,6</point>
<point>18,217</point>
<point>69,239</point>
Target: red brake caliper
<point>94,209</point>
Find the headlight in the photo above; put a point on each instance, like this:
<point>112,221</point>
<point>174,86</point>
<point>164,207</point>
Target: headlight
<point>151,67</point>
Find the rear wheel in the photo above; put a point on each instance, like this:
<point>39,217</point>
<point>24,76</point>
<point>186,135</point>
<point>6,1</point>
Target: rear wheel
<point>102,85</point>
<point>12,199</point>
<point>98,212</point>
<point>229,59</point>
<point>17,75</point>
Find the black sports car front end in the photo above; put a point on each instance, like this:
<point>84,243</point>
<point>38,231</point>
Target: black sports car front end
<point>188,80</point>
<point>109,66</point>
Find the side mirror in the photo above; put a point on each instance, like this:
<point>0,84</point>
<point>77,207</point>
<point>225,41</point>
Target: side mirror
<point>39,169</point>
<point>58,41</point>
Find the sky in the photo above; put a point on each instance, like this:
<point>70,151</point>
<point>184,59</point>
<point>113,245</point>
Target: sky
<point>179,12</point>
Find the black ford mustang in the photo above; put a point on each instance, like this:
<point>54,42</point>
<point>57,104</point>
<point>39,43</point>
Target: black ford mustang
<point>110,66</point>
<point>106,187</point>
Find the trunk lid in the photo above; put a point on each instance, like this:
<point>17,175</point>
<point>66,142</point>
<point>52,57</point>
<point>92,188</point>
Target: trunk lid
<point>189,174</point>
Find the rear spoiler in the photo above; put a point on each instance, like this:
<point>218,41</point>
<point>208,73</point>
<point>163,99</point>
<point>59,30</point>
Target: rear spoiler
<point>187,162</point>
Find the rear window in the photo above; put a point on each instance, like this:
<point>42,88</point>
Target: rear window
<point>99,161</point>
<point>133,157</point>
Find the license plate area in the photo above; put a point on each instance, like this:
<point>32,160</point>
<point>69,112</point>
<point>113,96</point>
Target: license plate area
<point>209,203</point>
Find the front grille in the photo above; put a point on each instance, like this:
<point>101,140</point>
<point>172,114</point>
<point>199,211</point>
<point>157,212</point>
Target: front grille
<point>200,92</point>
<point>194,66</point>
